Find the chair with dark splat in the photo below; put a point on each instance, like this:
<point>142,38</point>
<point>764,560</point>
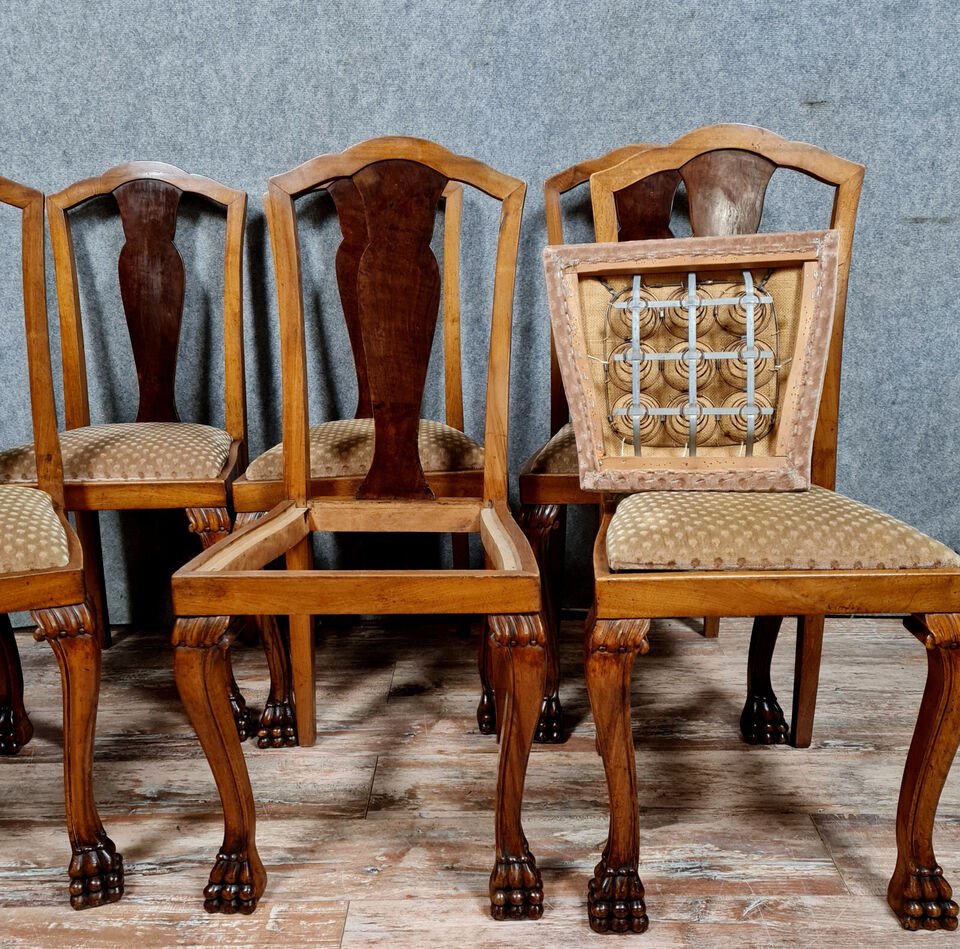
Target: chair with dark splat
<point>340,450</point>
<point>155,461</point>
<point>393,186</point>
<point>731,518</point>
<point>725,183</point>
<point>41,570</point>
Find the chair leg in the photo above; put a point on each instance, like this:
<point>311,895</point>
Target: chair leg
<point>918,892</point>
<point>486,707</point>
<point>278,724</point>
<point>711,627</point>
<point>806,679</point>
<point>88,530</point>
<point>96,869</point>
<point>762,721</point>
<point>277,727</point>
<point>303,656</point>
<point>540,522</point>
<point>212,524</point>
<point>15,727</point>
<point>516,889</point>
<point>238,879</point>
<point>615,901</point>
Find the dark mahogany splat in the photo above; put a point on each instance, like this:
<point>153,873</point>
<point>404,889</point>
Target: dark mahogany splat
<point>643,208</point>
<point>725,191</point>
<point>152,289</point>
<point>397,303</point>
<point>353,226</point>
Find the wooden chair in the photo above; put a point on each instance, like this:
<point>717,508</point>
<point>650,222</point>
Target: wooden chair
<point>41,570</point>
<point>725,180</point>
<point>341,450</point>
<point>156,461</point>
<point>395,183</point>
<point>739,525</point>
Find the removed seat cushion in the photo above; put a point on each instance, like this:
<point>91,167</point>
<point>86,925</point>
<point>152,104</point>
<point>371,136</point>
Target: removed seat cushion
<point>344,448</point>
<point>130,451</point>
<point>559,455</point>
<point>31,535</point>
<point>804,530</point>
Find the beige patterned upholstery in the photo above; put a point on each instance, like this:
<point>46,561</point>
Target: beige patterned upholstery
<point>804,530</point>
<point>344,448</point>
<point>129,451</point>
<point>31,535</point>
<point>559,455</point>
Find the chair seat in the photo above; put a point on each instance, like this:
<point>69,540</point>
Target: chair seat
<point>559,455</point>
<point>344,448</point>
<point>31,535</point>
<point>130,451</point>
<point>804,530</point>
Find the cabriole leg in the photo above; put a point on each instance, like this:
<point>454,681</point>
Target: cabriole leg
<point>918,892</point>
<point>516,889</point>
<point>238,878</point>
<point>15,727</point>
<point>615,901</point>
<point>96,869</point>
<point>88,530</point>
<point>541,523</point>
<point>762,721</point>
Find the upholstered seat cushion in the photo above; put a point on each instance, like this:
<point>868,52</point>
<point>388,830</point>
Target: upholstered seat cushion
<point>559,455</point>
<point>804,530</point>
<point>31,535</point>
<point>344,448</point>
<point>130,451</point>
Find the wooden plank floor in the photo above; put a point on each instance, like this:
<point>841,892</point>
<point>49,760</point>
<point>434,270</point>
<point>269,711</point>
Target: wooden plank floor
<point>384,830</point>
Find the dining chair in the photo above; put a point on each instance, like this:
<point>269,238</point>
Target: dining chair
<point>391,186</point>
<point>696,372</point>
<point>41,571</point>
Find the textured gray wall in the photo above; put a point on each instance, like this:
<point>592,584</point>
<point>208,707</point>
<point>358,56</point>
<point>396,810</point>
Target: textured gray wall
<point>241,90</point>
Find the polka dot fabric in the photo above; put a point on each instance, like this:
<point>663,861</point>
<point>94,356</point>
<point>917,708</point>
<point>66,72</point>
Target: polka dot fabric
<point>804,530</point>
<point>31,535</point>
<point>344,448</point>
<point>559,455</point>
<point>130,451</point>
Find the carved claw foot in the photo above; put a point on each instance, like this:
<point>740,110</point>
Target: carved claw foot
<point>15,730</point>
<point>926,901</point>
<point>762,721</point>
<point>241,714</point>
<point>278,726</point>
<point>615,901</point>
<point>549,726</point>
<point>516,890</point>
<point>96,875</point>
<point>233,886</point>
<point>487,713</point>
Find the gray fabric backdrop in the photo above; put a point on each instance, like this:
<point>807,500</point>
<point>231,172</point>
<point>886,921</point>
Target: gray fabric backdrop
<point>241,90</point>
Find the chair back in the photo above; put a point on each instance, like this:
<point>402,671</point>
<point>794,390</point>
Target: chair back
<point>152,278</point>
<point>385,192</point>
<point>43,409</point>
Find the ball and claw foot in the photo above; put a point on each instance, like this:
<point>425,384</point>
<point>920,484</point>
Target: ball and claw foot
<point>762,721</point>
<point>550,725</point>
<point>241,715</point>
<point>96,875</point>
<point>516,890</point>
<point>615,901</point>
<point>927,902</point>
<point>487,713</point>
<point>278,726</point>
<point>15,731</point>
<point>232,887</point>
